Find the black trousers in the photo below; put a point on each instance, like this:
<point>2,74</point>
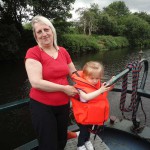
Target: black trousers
<point>50,124</point>
<point>84,134</point>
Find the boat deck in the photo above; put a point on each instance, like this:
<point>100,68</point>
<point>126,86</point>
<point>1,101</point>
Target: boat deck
<point>97,143</point>
<point>71,144</point>
<point>117,136</point>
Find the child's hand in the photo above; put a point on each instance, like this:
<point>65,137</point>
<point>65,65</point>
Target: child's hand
<point>110,83</point>
<point>104,88</point>
<point>112,86</point>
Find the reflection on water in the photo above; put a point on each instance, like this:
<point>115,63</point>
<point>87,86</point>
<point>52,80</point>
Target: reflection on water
<point>12,81</point>
<point>114,62</point>
<point>14,86</point>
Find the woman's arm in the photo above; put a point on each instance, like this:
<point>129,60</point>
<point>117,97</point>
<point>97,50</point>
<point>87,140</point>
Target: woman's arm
<point>34,72</point>
<point>71,68</point>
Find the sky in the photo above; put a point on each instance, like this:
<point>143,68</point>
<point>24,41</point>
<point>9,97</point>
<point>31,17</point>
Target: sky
<point>133,5</point>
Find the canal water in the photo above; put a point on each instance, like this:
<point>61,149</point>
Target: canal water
<point>16,128</point>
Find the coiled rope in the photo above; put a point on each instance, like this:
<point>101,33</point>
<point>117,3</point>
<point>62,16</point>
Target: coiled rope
<point>136,68</point>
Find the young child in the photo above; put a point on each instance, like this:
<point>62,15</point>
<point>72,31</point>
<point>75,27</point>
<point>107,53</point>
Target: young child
<point>92,107</point>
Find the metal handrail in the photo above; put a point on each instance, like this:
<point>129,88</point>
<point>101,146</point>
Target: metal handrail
<point>23,102</point>
<point>140,91</point>
<point>15,104</point>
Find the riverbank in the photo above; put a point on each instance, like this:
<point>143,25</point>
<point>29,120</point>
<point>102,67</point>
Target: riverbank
<point>76,44</point>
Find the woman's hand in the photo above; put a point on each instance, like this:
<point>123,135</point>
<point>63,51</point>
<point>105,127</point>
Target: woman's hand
<point>70,90</point>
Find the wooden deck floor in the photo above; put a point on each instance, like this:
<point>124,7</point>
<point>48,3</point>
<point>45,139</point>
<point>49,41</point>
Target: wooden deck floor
<point>71,143</point>
<point>97,143</point>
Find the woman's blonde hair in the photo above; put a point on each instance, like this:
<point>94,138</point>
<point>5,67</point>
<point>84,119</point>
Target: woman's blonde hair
<point>41,19</point>
<point>91,67</point>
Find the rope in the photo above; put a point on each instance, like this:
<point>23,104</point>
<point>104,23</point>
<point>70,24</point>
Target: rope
<point>136,68</point>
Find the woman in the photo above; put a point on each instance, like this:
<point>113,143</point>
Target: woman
<point>48,66</point>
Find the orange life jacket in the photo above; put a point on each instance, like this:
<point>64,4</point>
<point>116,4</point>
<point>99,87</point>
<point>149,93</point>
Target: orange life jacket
<point>95,111</point>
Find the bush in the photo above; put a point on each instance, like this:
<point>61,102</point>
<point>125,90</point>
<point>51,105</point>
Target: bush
<point>10,37</point>
<point>77,43</point>
<point>111,42</point>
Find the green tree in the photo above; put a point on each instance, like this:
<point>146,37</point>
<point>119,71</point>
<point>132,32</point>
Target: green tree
<point>53,9</point>
<point>82,21</point>
<point>89,18</point>
<point>18,11</point>
<point>117,9</point>
<point>117,12</point>
<point>143,15</point>
<point>13,12</point>
<point>137,30</point>
<point>9,42</point>
<point>107,25</point>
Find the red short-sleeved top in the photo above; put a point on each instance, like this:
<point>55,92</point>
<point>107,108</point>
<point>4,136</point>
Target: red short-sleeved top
<point>53,70</point>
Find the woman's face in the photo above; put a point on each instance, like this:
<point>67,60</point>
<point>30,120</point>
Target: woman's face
<point>43,34</point>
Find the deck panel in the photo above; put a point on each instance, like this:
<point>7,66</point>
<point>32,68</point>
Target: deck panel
<point>97,143</point>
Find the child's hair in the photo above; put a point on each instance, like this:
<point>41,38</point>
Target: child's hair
<point>91,67</point>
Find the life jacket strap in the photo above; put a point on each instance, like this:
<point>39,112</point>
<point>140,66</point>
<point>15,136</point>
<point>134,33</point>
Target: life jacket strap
<point>76,72</point>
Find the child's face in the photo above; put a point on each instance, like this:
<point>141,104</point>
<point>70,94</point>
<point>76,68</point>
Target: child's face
<point>93,79</point>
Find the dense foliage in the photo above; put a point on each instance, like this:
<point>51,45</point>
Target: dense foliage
<point>78,44</point>
<point>9,43</point>
<point>15,13</point>
<point>112,27</point>
<point>81,43</point>
<point>116,20</point>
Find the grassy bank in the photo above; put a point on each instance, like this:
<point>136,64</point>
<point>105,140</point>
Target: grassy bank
<point>79,44</point>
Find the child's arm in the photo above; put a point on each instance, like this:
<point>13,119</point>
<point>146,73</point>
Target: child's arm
<point>89,96</point>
